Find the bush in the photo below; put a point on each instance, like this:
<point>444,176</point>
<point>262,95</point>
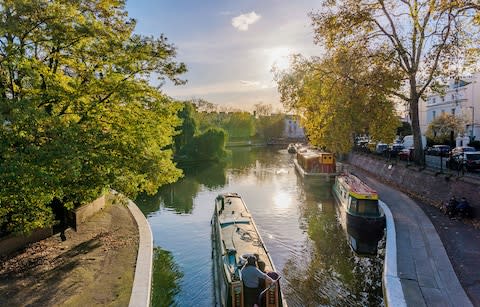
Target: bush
<point>210,145</point>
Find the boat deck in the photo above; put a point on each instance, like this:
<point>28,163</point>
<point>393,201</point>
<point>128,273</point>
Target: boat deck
<point>239,233</point>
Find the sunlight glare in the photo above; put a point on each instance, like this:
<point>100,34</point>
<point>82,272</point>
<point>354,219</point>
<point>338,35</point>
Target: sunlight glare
<point>282,200</point>
<point>278,57</point>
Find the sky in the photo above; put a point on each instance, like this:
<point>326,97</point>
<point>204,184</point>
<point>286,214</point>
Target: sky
<point>229,46</point>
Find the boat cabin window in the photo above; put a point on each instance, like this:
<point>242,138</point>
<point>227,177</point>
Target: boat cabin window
<point>365,207</point>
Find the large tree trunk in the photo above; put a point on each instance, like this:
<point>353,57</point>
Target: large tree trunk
<point>418,156</point>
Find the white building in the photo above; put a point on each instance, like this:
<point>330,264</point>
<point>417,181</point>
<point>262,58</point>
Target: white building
<point>292,128</point>
<point>462,99</point>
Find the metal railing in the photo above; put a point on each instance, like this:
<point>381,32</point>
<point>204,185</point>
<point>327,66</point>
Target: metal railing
<point>435,163</point>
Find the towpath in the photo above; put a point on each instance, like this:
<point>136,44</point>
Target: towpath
<point>437,258</point>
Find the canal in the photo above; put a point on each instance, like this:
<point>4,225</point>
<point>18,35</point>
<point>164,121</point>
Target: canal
<point>297,220</point>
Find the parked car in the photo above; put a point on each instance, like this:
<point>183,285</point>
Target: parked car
<point>407,141</point>
<point>381,148</point>
<point>394,149</point>
<point>461,149</point>
<point>406,154</point>
<point>439,150</point>
<point>470,159</point>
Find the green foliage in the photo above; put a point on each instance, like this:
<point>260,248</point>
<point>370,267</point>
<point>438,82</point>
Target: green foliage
<point>166,277</point>
<point>270,126</point>
<point>418,40</point>
<point>440,128</point>
<point>207,146</point>
<point>339,96</point>
<point>240,125</point>
<point>188,128</point>
<point>404,129</point>
<point>78,114</point>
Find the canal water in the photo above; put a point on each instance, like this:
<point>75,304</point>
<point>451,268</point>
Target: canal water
<point>296,218</point>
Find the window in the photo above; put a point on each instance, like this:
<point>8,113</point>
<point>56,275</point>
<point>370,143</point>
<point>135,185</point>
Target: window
<point>434,114</point>
<point>367,207</point>
<point>453,111</point>
<point>443,98</point>
<point>353,206</point>
<point>434,100</point>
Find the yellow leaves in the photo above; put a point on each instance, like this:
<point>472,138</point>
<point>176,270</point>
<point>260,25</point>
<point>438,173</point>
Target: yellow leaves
<point>338,96</point>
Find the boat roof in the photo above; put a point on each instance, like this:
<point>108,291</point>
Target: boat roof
<point>357,188</point>
<point>307,153</point>
<point>239,234</point>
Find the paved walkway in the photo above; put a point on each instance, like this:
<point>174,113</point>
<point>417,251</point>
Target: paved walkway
<point>426,274</point>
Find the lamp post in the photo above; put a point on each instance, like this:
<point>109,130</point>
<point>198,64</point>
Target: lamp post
<point>473,123</point>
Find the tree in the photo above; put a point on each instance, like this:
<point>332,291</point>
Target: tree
<point>207,146</point>
<point>188,129</point>
<point>272,126</point>
<point>439,130</point>
<point>420,39</point>
<point>404,129</point>
<point>204,106</point>
<point>337,97</point>
<point>262,109</point>
<point>78,115</point>
<point>240,125</point>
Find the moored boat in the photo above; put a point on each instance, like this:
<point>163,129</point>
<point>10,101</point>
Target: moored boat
<point>234,238</point>
<point>314,163</point>
<point>360,214</point>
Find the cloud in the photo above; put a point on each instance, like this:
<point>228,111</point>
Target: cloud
<point>258,84</point>
<point>242,22</point>
<point>250,83</point>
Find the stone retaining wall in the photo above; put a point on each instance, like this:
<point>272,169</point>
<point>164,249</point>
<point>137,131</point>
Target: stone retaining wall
<point>426,185</point>
<point>82,213</point>
<point>13,242</point>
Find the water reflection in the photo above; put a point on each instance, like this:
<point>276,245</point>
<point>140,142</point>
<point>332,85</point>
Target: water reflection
<point>211,175</point>
<point>180,196</point>
<point>165,278</point>
<point>296,218</point>
<point>341,277</point>
<point>282,200</point>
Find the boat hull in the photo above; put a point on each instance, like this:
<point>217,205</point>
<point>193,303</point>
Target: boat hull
<point>363,232</point>
<point>235,237</point>
<point>329,173</point>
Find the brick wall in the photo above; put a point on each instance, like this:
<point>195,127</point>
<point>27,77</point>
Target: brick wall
<point>431,187</point>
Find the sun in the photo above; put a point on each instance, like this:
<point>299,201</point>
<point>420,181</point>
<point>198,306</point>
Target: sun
<point>278,57</point>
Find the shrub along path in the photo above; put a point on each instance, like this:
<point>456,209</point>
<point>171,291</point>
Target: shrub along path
<point>94,266</point>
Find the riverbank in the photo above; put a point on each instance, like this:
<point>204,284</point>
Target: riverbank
<point>425,185</point>
<point>94,266</point>
<point>459,237</point>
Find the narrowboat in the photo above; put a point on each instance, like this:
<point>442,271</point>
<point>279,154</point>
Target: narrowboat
<point>234,238</point>
<point>359,212</point>
<point>314,163</point>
